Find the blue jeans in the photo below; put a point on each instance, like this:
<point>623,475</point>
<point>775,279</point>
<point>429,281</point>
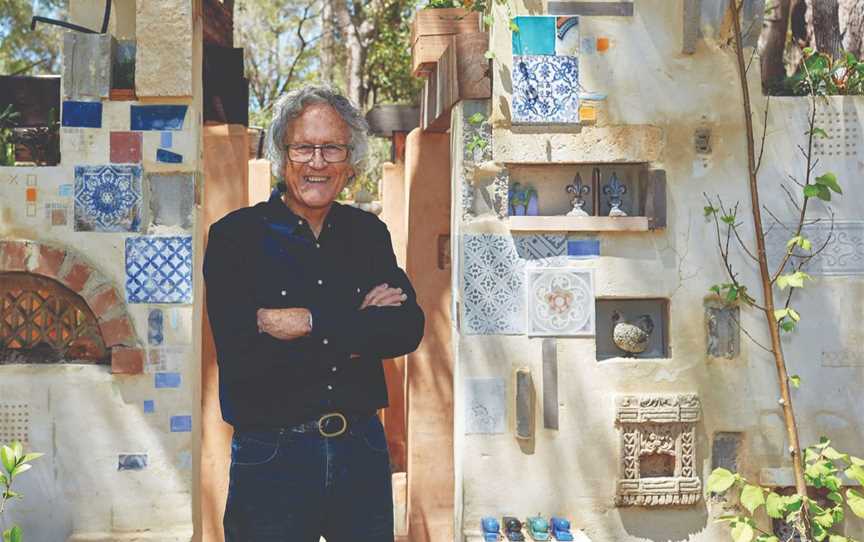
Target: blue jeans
<point>287,485</point>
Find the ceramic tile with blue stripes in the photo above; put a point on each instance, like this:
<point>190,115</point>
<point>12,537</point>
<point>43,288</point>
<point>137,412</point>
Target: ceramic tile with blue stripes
<point>159,269</point>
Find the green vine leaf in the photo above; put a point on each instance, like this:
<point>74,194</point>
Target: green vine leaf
<point>720,481</point>
<point>489,55</point>
<point>819,532</point>
<point>742,532</point>
<point>801,241</point>
<point>819,132</point>
<point>476,118</point>
<point>856,502</point>
<point>752,497</point>
<point>795,380</point>
<point>829,180</point>
<point>774,506</point>
<point>856,472</point>
<point>767,538</point>
<point>837,538</point>
<point>709,210</point>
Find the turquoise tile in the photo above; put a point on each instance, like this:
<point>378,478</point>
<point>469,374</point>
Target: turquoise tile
<point>536,36</point>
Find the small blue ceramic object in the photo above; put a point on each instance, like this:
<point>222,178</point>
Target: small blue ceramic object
<point>561,529</point>
<point>538,528</point>
<point>491,529</point>
<point>513,529</point>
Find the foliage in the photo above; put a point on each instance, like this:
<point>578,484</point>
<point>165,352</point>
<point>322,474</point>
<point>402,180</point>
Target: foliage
<point>477,141</point>
<point>14,462</point>
<point>387,70</point>
<point>43,142</point>
<point>7,148</point>
<point>369,177</point>
<point>823,465</point>
<point>24,51</point>
<point>823,75</point>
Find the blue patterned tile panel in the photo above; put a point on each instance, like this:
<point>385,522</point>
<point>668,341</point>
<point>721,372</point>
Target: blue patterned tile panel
<point>108,198</point>
<point>82,114</point>
<point>542,250</point>
<point>159,269</point>
<point>583,248</point>
<point>492,286</point>
<point>545,89</point>
<point>157,117</point>
<point>536,36</point>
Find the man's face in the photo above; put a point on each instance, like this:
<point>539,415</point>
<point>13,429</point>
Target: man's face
<point>315,184</point>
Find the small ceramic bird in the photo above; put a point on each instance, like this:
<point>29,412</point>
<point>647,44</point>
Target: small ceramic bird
<point>632,337</point>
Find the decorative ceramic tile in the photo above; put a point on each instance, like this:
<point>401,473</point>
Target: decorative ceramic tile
<point>542,250</point>
<point>149,406</point>
<point>181,424</point>
<point>545,89</point>
<point>125,147</point>
<point>567,36</point>
<point>131,461</point>
<point>561,301</point>
<point>844,135</point>
<point>168,157</point>
<point>592,8</point>
<point>159,269</point>
<point>154,327</point>
<point>167,380</point>
<point>583,248</point>
<point>166,140</point>
<point>157,117</point>
<point>536,36</point>
<point>107,198</point>
<point>82,114</point>
<point>492,286</point>
<point>485,406</point>
<point>844,254</point>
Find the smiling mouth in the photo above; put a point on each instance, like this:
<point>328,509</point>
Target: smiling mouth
<point>316,180</point>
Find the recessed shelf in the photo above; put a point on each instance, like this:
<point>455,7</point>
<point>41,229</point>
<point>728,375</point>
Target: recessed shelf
<point>580,223</point>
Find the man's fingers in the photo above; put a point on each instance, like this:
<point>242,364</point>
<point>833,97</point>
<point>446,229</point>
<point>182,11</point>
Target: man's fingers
<point>387,296</point>
<point>371,295</point>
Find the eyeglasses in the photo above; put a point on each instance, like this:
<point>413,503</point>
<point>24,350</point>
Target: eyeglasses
<point>331,152</point>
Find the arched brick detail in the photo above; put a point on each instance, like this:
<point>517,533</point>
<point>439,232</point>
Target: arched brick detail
<point>74,272</point>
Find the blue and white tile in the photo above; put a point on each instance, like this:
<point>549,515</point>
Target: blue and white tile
<point>561,302</point>
<point>542,250</point>
<point>492,286</point>
<point>159,269</point>
<point>108,198</point>
<point>567,36</point>
<point>545,89</point>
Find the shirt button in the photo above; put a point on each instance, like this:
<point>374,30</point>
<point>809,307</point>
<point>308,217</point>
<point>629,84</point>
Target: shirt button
<point>284,292</point>
<point>317,245</point>
<point>358,290</point>
<point>320,282</point>
<point>329,387</point>
<point>334,369</point>
<point>325,341</point>
<point>300,222</point>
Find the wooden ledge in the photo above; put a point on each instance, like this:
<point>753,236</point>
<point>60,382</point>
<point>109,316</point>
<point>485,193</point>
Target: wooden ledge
<point>580,223</point>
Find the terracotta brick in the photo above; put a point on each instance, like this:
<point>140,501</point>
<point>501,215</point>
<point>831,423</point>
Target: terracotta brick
<point>77,276</point>
<point>125,147</point>
<point>117,331</point>
<point>50,260</point>
<point>103,302</point>
<point>13,256</point>
<point>127,361</point>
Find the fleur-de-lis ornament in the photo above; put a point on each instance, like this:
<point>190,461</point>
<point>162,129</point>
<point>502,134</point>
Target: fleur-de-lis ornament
<point>615,190</point>
<point>578,190</point>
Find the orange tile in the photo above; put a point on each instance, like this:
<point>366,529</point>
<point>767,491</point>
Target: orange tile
<point>31,194</point>
<point>587,113</point>
<point>602,44</point>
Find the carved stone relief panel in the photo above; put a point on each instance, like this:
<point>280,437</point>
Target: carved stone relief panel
<point>658,453</point>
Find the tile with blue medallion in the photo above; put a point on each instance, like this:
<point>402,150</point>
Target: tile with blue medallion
<point>567,36</point>
<point>159,269</point>
<point>108,198</point>
<point>545,89</point>
<point>536,36</point>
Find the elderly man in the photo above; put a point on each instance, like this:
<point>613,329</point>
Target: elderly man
<point>304,298</point>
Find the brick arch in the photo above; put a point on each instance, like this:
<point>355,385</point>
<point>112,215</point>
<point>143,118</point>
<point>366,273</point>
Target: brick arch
<point>75,273</point>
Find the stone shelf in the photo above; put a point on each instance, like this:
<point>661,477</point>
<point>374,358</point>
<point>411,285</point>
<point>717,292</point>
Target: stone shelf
<point>580,223</point>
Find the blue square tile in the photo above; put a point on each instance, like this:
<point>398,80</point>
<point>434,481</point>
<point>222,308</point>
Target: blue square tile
<point>583,248</point>
<point>157,117</point>
<point>149,406</point>
<point>159,269</point>
<point>82,114</point>
<point>181,424</point>
<point>108,198</point>
<point>545,89</point>
<point>168,157</point>
<point>536,36</point>
<point>166,140</point>
<point>167,380</point>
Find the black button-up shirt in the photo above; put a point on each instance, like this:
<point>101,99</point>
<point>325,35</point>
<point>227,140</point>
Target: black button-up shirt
<point>267,257</point>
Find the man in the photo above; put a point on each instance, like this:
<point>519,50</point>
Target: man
<point>304,298</point>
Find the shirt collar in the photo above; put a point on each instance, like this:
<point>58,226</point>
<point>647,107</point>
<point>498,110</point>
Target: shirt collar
<point>278,211</point>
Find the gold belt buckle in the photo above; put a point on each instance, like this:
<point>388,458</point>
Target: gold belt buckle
<point>326,417</point>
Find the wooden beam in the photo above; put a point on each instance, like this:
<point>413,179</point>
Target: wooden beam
<point>579,223</point>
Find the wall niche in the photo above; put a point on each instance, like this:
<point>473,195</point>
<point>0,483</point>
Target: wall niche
<point>632,328</point>
<point>658,450</point>
<point>586,197</point>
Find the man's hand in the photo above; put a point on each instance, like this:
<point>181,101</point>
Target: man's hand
<point>284,324</point>
<point>383,296</point>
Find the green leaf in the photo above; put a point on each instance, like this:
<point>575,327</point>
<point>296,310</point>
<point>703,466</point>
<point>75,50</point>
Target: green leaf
<point>835,497</point>
<point>728,219</point>
<point>30,457</point>
<point>715,289</point>
<point>819,132</point>
<point>834,455</point>
<point>856,460</point>
<point>720,481</point>
<point>795,380</point>
<point>779,314</point>
<point>476,118</point>
<point>806,244</point>
<point>824,194</point>
<point>489,55</point>
<point>488,20</point>
<point>807,51</point>
<point>787,325</point>
<point>825,519</point>
<point>752,497</point>
<point>829,180</point>
<point>18,449</point>
<point>783,282</point>
<point>23,467</point>
<point>774,506</point>
<point>837,538</point>
<point>7,457</point>
<point>794,315</point>
<point>742,532</point>
<point>819,533</point>
<point>811,191</point>
<point>855,501</point>
<point>856,472</point>
<point>767,538</point>
<point>15,535</point>
<point>709,210</point>
<point>514,27</point>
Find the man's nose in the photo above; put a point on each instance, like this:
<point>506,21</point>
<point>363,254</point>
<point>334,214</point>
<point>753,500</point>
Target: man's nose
<point>317,161</point>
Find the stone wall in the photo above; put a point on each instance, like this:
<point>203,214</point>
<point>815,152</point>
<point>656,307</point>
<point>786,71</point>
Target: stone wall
<point>548,418</point>
<point>115,223</point>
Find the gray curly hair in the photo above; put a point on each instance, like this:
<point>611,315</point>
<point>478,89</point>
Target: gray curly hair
<point>291,105</point>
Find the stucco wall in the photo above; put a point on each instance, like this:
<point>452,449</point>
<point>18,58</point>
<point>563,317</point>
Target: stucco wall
<point>657,98</point>
<point>84,417</point>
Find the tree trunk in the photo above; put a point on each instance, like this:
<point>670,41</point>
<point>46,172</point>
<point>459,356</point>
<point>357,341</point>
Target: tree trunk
<point>851,19</point>
<point>823,25</point>
<point>328,41</point>
<point>772,43</point>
